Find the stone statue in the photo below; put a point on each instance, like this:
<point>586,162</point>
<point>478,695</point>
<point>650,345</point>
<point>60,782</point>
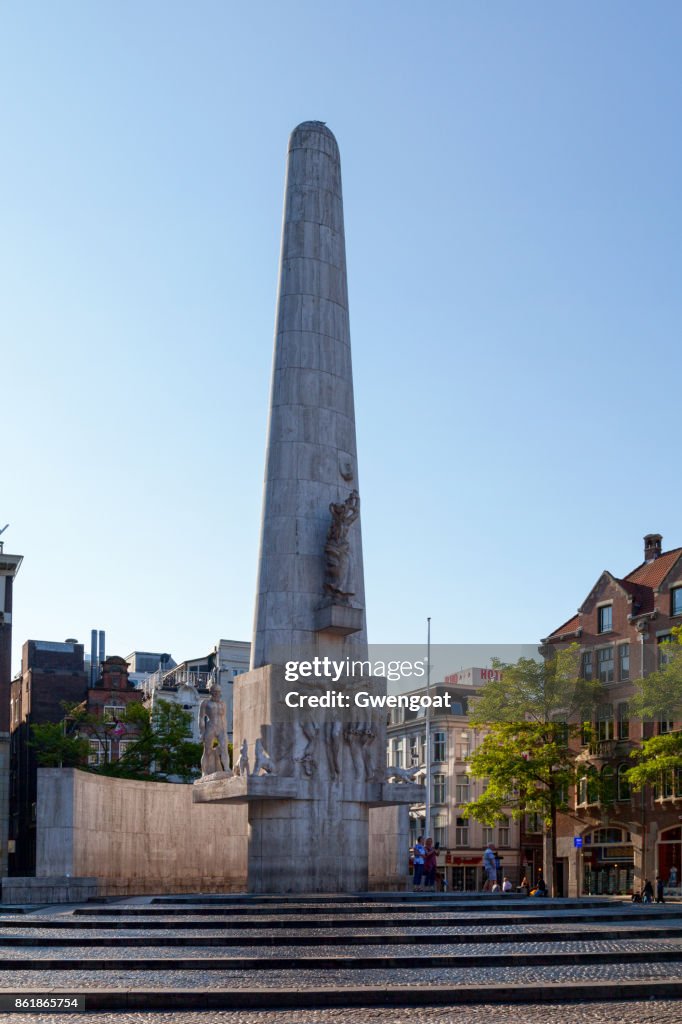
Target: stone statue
<point>333,732</point>
<point>263,761</point>
<point>307,759</point>
<point>359,736</point>
<point>242,765</point>
<point>401,774</point>
<point>337,548</point>
<point>213,733</point>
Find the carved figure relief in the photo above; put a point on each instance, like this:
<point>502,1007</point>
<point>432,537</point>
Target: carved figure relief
<point>360,736</point>
<point>242,766</point>
<point>263,762</point>
<point>337,547</point>
<point>401,774</point>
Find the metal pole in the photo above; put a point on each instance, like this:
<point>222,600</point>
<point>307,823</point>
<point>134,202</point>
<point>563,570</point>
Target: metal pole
<point>427,805</point>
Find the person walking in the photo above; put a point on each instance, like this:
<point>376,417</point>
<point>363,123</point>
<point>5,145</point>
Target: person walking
<point>659,890</point>
<point>489,867</point>
<point>430,864</point>
<point>418,861</point>
<point>647,892</point>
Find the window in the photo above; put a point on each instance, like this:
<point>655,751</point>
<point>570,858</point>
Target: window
<point>676,601</point>
<point>665,723</point>
<point>113,711</point>
<point>123,745</point>
<point>587,790</point>
<point>439,746</point>
<point>605,722</point>
<point>587,664</point>
<point>439,789</point>
<point>487,835</point>
<point>462,789</point>
<point>464,746</point>
<point>623,721</point>
<point>664,655</point>
<point>605,617</point>
<point>582,791</point>
<point>503,832</point>
<point>440,829</point>
<point>623,784</point>
<point>624,659</point>
<point>605,661</point>
<point>414,752</point>
<point>533,822</point>
<point>586,733</point>
<point>462,832</point>
<point>607,784</point>
<point>100,752</point>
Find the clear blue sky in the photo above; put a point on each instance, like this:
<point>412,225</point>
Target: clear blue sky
<point>514,231</point>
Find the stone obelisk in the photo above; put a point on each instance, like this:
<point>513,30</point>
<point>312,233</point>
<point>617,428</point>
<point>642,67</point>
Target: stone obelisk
<point>311,459</point>
<point>322,769</point>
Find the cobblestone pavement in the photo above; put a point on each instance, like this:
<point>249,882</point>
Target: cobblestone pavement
<point>79,980</point>
<point>624,929</point>
<point>472,949</point>
<point>635,1012</point>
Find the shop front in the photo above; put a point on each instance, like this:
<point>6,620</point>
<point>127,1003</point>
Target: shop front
<point>463,873</point>
<point>669,857</point>
<point>608,862</point>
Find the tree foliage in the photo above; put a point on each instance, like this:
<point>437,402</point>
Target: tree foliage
<point>159,746</point>
<point>530,713</point>
<point>659,759</point>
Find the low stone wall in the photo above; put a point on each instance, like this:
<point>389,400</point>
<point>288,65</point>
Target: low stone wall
<point>389,848</point>
<point>48,890</point>
<point>137,837</point>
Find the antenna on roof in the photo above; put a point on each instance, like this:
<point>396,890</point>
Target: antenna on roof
<point>4,528</point>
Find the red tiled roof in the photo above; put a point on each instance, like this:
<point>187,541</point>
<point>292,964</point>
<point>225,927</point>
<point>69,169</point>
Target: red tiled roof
<point>652,574</point>
<point>568,627</point>
<point>640,583</point>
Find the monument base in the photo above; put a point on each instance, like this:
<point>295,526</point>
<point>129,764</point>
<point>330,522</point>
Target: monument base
<point>309,817</point>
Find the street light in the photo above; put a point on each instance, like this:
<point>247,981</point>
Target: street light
<point>427,802</point>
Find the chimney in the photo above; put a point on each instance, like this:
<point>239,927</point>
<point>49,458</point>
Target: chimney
<point>652,546</point>
<point>93,657</point>
<point>101,647</point>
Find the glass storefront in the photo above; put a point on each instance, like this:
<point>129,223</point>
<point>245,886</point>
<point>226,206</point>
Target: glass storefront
<point>608,862</point>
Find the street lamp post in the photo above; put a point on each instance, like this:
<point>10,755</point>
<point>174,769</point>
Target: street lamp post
<point>427,802</point>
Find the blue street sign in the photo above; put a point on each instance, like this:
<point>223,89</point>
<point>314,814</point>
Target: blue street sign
<point>578,841</point>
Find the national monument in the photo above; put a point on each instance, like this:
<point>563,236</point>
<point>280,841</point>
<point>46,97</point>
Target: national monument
<point>309,776</point>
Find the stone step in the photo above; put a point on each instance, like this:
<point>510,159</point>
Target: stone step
<point>418,938</point>
<point>343,962</point>
<point>188,923</point>
<point>206,908</point>
<point>173,999</point>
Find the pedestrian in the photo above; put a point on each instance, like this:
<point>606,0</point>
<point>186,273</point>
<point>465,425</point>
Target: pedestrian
<point>418,861</point>
<point>672,877</point>
<point>647,892</point>
<point>489,867</point>
<point>525,885</point>
<point>659,889</point>
<point>540,887</point>
<point>430,864</point>
<point>506,885</point>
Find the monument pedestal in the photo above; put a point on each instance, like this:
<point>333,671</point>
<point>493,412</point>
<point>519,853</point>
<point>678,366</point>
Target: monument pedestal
<point>309,822</point>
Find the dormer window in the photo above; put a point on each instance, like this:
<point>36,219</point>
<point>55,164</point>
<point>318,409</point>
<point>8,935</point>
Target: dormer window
<point>605,618</point>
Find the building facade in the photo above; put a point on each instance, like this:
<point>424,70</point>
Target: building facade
<point>461,840</point>
<point>187,683</point>
<point>622,837</point>
<point>9,567</point>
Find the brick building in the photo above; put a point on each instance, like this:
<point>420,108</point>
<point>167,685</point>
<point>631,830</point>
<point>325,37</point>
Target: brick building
<point>620,628</point>
<point>53,674</point>
<point>9,567</point>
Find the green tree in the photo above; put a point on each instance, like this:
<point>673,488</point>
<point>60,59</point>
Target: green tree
<point>659,695</point>
<point>160,745</point>
<point>56,747</point>
<point>531,712</point>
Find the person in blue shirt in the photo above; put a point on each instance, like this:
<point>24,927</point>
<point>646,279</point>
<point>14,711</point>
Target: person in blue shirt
<point>419,853</point>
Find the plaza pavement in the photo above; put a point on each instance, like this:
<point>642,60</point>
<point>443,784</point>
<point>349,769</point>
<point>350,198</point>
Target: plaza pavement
<point>372,958</point>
